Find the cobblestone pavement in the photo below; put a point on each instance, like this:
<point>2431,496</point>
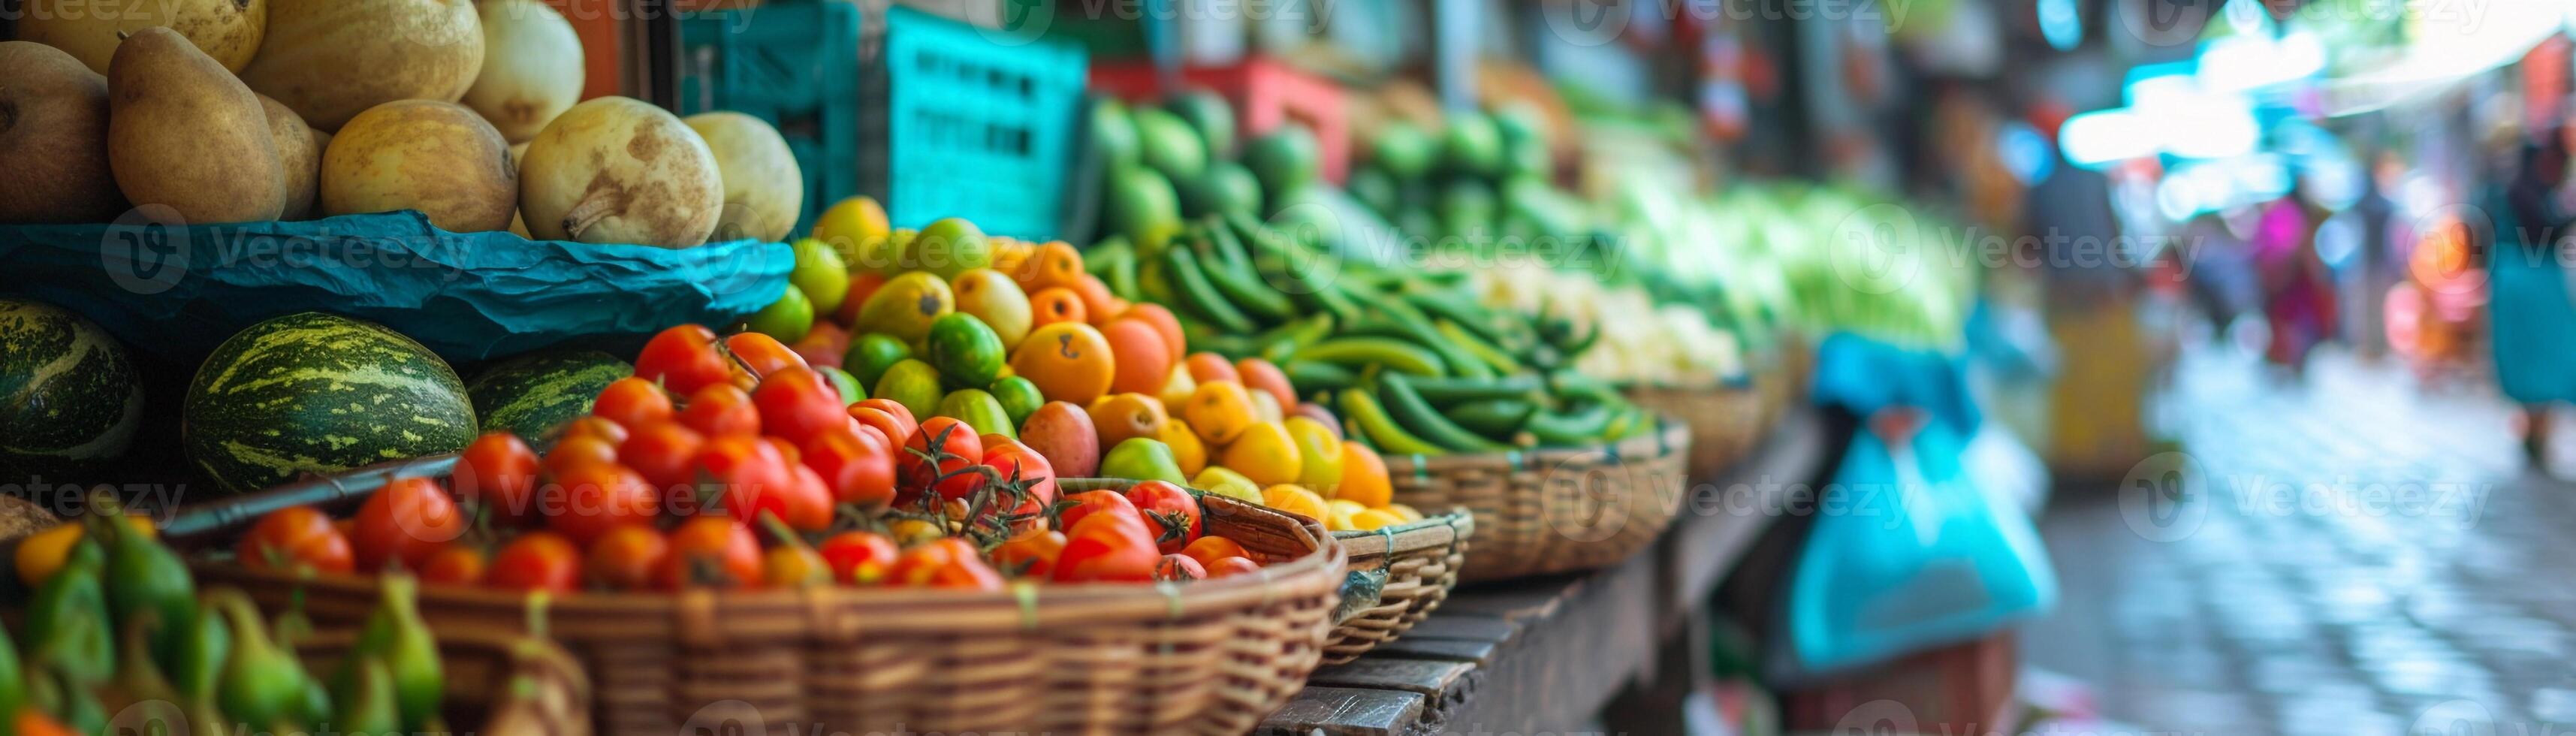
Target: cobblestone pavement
<point>2357,557</point>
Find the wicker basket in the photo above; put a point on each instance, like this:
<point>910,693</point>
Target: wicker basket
<point>1210,657</point>
<point>1725,421</point>
<point>1411,567</point>
<point>1554,509</point>
<point>512,685</point>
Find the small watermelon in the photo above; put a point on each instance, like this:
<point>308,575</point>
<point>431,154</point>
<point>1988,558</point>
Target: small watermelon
<point>532,394</point>
<point>68,395</point>
<point>319,393</point>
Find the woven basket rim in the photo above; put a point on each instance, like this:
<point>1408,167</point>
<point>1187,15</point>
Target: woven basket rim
<point>1446,529</point>
<point>1670,433</point>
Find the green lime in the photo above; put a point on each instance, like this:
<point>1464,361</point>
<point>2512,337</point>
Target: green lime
<point>912,383</point>
<point>821,274</point>
<point>979,410</point>
<point>787,319</point>
<point>964,349</point>
<point>1019,397</point>
<point>948,247</point>
<point>851,390</point>
<point>872,354</point>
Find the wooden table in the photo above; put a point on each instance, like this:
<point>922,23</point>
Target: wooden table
<point>1546,654</point>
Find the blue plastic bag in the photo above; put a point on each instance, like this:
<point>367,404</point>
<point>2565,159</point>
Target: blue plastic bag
<point>179,291</point>
<point>1908,551</point>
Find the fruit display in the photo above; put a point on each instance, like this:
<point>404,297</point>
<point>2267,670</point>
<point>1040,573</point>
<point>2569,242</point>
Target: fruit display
<point>118,632</point>
<point>319,393</point>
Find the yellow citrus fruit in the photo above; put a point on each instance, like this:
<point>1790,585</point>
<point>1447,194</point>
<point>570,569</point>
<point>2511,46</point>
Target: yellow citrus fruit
<point>1187,451</point>
<point>1372,519</point>
<point>1295,500</point>
<point>1363,476</point>
<point>851,227</point>
<point>1177,390</point>
<point>1403,512</point>
<point>1263,452</point>
<point>1220,410</point>
<point>1226,483</point>
<point>1319,452</point>
<point>1339,514</point>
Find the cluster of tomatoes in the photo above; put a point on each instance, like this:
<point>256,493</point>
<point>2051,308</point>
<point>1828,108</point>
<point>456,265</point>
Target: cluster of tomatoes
<point>732,464</point>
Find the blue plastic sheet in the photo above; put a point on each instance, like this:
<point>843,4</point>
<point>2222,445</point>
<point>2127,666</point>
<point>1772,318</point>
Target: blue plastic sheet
<point>179,291</point>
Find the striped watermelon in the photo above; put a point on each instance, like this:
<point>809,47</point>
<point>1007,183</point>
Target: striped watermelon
<point>319,393</point>
<point>68,395</point>
<point>532,394</point>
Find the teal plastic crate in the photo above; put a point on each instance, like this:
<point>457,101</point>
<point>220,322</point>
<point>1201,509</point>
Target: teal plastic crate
<point>978,124</point>
<point>794,63</point>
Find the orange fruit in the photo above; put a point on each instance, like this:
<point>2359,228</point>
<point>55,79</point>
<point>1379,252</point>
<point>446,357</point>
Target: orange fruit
<point>1069,361</point>
<point>1187,450</point>
<point>1296,500</point>
<point>1121,417</point>
<point>1265,453</point>
<point>1372,519</point>
<point>1402,512</point>
<point>1206,367</point>
<point>1053,264</point>
<point>1096,299</point>
<point>1262,375</point>
<point>1056,304</point>
<point>1219,410</point>
<point>1163,322</point>
<point>1144,364</point>
<point>1342,511</point>
<point>1363,476</point>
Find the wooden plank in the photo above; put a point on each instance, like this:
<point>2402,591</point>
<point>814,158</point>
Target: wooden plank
<point>1337,711</point>
<point>1516,600</point>
<point>1443,685</point>
<point>1478,653</point>
<point>1447,624</point>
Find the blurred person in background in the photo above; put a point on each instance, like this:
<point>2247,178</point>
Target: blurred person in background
<point>2375,269</point>
<point>2298,288</point>
<point>2531,323</point>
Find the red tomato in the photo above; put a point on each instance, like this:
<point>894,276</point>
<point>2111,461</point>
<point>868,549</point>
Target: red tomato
<point>1170,514</point>
<point>765,354</point>
<point>1107,548</point>
<point>721,409</point>
<point>662,452</point>
<point>537,561</point>
<point>455,564</point>
<point>788,452</point>
<point>798,403</point>
<point>499,472</point>
<point>858,558</point>
<point>734,464</point>
<point>711,551</point>
<point>1087,503</point>
<point>894,409</point>
<point>1032,554</point>
<point>1007,458</point>
<point>579,450</point>
<point>596,426</point>
<point>807,507</point>
<point>684,359</point>
<point>938,435</point>
<point>944,563</point>
<point>825,345</point>
<point>627,557</point>
<point>404,523</point>
<point>633,402</point>
<point>1232,566</point>
<point>1179,568</point>
<point>1207,550</point>
<point>895,430</point>
<point>296,537</point>
<point>857,465</point>
<point>585,502</point>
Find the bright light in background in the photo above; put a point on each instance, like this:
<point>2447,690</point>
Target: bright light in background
<point>2024,152</point>
<point>2103,137</point>
<point>2245,63</point>
<point>2205,126</point>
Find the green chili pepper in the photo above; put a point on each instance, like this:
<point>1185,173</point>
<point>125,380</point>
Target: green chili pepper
<point>262,688</point>
<point>141,574</point>
<point>367,705</point>
<point>200,658</point>
<point>56,693</point>
<point>13,684</point>
<point>396,635</point>
<point>67,620</point>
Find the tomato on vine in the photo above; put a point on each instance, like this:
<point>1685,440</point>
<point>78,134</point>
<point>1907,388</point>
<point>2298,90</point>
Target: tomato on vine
<point>296,537</point>
<point>858,557</point>
<point>1170,514</point>
<point>627,557</point>
<point>404,523</point>
<point>797,403</point>
<point>764,354</point>
<point>956,448</point>
<point>499,472</point>
<point>633,402</point>
<point>721,410</point>
<point>858,467</point>
<point>537,561</point>
<point>684,359</point>
<point>1107,547</point>
<point>711,551</point>
<point>945,563</point>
